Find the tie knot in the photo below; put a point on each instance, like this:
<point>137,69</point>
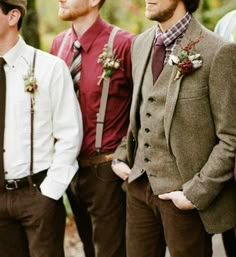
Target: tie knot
<point>77,45</point>
<point>2,62</point>
<point>159,41</point>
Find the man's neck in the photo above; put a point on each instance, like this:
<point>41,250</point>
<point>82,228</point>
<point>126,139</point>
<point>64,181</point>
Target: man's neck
<point>82,24</point>
<point>8,42</point>
<point>178,15</point>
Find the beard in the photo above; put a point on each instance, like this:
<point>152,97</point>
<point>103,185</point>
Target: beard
<point>68,14</point>
<point>162,15</point>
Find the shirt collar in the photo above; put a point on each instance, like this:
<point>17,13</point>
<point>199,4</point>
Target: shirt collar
<point>87,39</point>
<point>12,55</point>
<point>175,31</point>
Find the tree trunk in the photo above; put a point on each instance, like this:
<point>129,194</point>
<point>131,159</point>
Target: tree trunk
<point>30,30</point>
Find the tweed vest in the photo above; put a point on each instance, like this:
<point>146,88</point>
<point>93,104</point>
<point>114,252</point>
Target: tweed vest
<point>152,155</point>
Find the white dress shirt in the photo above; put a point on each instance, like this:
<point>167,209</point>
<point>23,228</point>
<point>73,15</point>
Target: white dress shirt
<point>226,26</point>
<point>57,120</point>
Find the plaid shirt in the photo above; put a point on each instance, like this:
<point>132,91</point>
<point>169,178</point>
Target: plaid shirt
<point>173,36</point>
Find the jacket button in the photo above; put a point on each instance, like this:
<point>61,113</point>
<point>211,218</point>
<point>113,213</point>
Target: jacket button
<point>146,160</point>
<point>146,145</point>
<point>147,130</point>
<point>151,99</point>
<point>148,114</point>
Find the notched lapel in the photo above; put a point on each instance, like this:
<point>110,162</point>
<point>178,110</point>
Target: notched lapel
<point>174,85</point>
<point>171,100</point>
<point>140,58</point>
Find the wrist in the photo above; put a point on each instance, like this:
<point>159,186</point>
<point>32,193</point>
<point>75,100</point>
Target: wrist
<point>116,161</point>
<point>194,206</point>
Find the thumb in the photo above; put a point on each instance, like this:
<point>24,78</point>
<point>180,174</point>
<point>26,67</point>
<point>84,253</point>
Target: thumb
<point>166,196</point>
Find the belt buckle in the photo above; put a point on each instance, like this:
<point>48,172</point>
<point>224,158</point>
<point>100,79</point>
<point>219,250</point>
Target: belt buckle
<point>11,185</point>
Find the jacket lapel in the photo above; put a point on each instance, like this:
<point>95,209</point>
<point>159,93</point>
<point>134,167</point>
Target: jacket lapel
<point>193,31</point>
<point>140,59</point>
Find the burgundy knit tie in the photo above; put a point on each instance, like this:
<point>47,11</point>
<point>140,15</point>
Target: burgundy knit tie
<point>2,118</point>
<point>158,57</point>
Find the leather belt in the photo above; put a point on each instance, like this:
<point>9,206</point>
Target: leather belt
<point>14,184</point>
<point>96,160</point>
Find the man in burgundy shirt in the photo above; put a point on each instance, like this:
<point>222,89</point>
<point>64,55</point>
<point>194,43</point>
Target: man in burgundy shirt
<point>96,196</point>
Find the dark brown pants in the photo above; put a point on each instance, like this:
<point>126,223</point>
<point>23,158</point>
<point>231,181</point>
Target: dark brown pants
<point>99,190</point>
<point>153,223</point>
<point>229,241</point>
<point>31,224</point>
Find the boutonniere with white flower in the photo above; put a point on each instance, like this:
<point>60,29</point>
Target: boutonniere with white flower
<point>187,60</point>
<point>110,63</point>
<point>30,84</point>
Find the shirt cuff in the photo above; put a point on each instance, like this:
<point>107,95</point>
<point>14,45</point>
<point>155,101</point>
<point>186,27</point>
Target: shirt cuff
<point>52,188</point>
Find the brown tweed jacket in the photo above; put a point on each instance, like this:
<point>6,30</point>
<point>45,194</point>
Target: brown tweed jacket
<point>199,123</point>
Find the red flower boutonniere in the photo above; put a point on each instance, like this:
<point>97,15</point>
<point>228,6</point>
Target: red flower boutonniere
<point>187,59</point>
<point>109,61</point>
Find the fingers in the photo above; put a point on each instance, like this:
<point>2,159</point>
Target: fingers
<point>121,169</point>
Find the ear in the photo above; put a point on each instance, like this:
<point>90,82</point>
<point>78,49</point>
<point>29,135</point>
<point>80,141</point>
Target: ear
<point>13,17</point>
<point>94,2</point>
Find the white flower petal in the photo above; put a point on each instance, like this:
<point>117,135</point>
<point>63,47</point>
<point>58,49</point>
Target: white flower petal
<point>173,59</point>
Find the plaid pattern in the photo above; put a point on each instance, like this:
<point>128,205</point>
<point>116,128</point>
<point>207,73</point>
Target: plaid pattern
<point>173,36</point>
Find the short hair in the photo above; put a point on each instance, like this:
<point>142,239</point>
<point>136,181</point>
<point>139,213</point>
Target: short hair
<point>6,8</point>
<point>191,5</point>
<point>101,3</point>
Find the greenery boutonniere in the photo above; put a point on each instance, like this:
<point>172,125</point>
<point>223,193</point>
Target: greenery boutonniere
<point>109,61</point>
<point>30,83</point>
<point>187,59</point>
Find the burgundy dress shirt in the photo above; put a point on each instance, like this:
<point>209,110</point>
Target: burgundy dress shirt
<point>120,91</point>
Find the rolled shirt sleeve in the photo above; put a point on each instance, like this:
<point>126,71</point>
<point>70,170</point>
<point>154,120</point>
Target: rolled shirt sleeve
<point>67,131</point>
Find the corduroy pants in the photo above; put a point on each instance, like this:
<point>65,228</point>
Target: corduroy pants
<point>98,189</point>
<point>153,223</point>
<point>31,225</point>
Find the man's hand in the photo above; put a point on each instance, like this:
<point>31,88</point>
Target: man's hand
<point>121,169</point>
<point>179,200</point>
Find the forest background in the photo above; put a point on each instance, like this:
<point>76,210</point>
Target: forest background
<point>42,24</point>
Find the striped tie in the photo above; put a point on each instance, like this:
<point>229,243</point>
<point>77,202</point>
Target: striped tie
<point>75,67</point>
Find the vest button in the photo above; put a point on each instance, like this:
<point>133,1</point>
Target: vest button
<point>151,99</point>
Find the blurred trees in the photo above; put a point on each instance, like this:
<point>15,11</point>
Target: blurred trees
<point>30,29</point>
<point>127,14</point>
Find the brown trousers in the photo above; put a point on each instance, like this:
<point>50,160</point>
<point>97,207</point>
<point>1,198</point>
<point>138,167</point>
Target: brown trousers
<point>31,225</point>
<point>98,189</point>
<point>153,223</point>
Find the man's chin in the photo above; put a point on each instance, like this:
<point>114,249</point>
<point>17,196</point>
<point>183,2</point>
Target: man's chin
<point>64,17</point>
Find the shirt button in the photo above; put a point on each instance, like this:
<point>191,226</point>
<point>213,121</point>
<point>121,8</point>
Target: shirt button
<point>146,160</point>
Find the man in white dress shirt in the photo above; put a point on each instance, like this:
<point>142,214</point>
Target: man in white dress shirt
<point>41,134</point>
<point>226,26</point>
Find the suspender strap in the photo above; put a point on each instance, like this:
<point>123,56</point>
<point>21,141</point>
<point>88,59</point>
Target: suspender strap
<point>104,97</point>
<point>32,123</point>
<point>63,42</point>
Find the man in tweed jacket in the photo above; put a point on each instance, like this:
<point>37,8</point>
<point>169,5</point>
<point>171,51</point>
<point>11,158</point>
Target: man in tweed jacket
<point>179,151</point>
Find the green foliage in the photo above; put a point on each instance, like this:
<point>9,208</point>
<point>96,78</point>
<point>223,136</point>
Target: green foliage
<point>30,25</point>
<point>127,14</point>
<point>213,10</point>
